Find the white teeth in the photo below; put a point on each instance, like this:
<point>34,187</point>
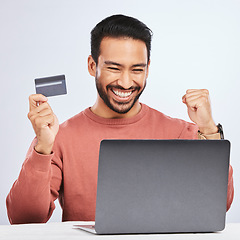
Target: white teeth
<point>122,94</point>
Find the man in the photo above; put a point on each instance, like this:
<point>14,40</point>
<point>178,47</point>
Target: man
<point>62,162</point>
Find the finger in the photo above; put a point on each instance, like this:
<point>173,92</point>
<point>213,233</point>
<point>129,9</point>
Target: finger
<point>204,98</point>
<point>196,102</point>
<point>39,109</point>
<point>197,94</point>
<point>194,92</point>
<point>197,91</point>
<point>49,120</point>
<point>184,99</point>
<point>45,121</point>
<point>34,99</point>
<point>191,90</point>
<point>44,112</point>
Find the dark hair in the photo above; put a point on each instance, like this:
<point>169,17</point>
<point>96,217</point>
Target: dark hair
<point>119,26</point>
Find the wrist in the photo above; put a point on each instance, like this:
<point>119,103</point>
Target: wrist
<point>45,150</point>
<point>217,135</point>
<point>208,130</point>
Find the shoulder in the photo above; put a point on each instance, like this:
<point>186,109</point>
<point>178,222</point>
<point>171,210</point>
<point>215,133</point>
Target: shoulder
<point>72,125</point>
<point>165,119</point>
<point>172,127</point>
<point>73,121</point>
<point>70,129</point>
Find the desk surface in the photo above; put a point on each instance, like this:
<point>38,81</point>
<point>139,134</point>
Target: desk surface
<point>66,230</point>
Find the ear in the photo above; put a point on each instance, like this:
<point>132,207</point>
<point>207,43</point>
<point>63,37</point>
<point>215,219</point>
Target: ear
<point>148,68</point>
<point>92,66</point>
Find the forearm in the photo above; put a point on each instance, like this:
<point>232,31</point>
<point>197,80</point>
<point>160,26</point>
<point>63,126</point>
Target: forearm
<point>30,199</point>
<point>230,192</point>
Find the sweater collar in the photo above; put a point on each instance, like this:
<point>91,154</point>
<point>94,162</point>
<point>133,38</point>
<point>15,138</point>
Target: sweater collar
<point>117,121</point>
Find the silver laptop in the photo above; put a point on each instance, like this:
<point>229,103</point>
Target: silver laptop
<point>161,186</point>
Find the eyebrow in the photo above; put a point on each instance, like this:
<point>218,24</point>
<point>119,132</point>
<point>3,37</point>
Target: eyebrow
<point>112,63</point>
<point>120,65</point>
<point>140,65</point>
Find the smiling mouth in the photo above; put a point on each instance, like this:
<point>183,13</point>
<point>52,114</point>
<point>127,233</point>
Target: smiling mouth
<point>122,94</point>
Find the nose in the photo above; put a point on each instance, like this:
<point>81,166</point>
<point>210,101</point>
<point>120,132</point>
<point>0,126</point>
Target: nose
<point>125,80</point>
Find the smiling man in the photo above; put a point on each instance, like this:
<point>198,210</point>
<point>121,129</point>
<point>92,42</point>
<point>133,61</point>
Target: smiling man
<point>62,161</point>
<point>120,75</point>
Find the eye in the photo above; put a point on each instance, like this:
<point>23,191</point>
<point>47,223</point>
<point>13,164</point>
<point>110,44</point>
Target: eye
<point>138,70</point>
<point>113,68</point>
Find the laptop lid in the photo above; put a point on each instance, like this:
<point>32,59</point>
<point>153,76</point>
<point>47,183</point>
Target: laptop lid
<point>162,186</point>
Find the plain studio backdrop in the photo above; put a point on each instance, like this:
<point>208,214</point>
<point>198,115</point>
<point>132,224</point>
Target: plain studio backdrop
<point>196,44</point>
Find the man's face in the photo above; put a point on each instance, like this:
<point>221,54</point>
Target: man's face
<point>121,72</point>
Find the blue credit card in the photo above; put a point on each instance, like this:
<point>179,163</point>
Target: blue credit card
<point>51,86</point>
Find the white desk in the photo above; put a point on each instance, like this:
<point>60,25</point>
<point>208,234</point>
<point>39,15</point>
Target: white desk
<point>66,231</point>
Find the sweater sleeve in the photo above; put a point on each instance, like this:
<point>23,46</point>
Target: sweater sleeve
<point>31,198</point>
<point>230,192</point>
<point>190,131</point>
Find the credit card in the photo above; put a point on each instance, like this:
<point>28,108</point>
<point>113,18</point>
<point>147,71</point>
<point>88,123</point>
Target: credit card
<point>51,86</point>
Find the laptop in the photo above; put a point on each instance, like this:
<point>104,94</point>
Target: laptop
<point>161,186</point>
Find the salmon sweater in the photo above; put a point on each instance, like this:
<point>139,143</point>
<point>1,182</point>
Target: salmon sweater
<point>70,172</point>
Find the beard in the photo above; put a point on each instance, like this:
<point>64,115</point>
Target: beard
<point>118,107</point>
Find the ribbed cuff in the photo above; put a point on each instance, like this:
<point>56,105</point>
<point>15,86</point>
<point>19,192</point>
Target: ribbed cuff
<point>40,162</point>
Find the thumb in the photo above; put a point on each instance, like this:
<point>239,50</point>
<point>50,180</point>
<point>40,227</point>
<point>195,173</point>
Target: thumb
<point>35,100</point>
<point>184,99</point>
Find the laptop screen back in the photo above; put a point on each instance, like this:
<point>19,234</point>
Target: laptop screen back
<point>153,186</point>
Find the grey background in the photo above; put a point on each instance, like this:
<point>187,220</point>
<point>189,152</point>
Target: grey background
<point>195,45</point>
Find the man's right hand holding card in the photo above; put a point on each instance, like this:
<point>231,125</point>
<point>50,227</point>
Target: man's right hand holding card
<point>44,122</point>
